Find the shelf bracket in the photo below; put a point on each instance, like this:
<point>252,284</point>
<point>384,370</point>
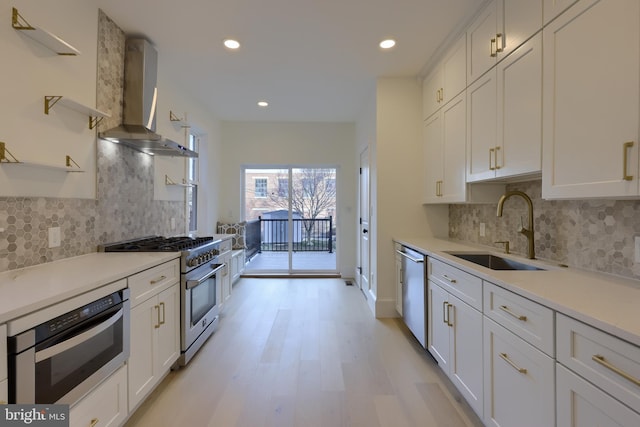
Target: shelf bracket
<point>50,101</point>
<point>70,162</point>
<point>18,22</point>
<point>3,155</point>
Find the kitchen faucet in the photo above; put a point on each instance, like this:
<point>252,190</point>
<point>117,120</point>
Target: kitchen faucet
<point>528,232</point>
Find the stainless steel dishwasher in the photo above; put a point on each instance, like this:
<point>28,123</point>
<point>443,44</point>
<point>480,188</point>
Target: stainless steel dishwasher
<point>414,295</point>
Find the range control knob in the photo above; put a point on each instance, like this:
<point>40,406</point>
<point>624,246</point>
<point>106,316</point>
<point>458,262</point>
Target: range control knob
<point>192,262</point>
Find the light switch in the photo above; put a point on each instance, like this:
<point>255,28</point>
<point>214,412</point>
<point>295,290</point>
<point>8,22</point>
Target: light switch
<point>54,237</point>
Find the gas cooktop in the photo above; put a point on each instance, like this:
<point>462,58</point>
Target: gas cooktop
<point>157,244</point>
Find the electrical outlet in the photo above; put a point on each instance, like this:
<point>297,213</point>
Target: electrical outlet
<point>482,229</point>
<point>54,237</point>
<point>636,254</point>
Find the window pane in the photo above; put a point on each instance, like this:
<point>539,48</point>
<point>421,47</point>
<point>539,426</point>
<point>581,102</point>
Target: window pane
<point>192,207</point>
<point>283,187</point>
<point>261,187</point>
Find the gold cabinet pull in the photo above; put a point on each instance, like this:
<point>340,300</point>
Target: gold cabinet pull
<point>493,48</point>
<point>439,188</point>
<point>445,312</point>
<point>511,313</point>
<point>157,307</point>
<point>601,360</point>
<point>94,422</point>
<point>438,96</point>
<point>158,280</point>
<point>441,94</point>
<point>162,322</point>
<point>495,158</point>
<point>625,160</point>
<point>499,43</point>
<point>491,156</point>
<point>505,357</point>
<point>449,315</point>
<point>449,279</point>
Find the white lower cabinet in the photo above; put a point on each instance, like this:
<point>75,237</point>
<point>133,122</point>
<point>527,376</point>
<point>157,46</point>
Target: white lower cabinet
<point>4,392</point>
<point>581,404</point>
<point>237,264</point>
<point>519,381</point>
<point>155,342</point>
<point>455,340</point>
<point>105,406</point>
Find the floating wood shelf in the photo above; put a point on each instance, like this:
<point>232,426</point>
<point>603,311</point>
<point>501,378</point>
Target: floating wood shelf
<point>6,158</point>
<point>95,116</point>
<point>169,181</point>
<point>45,38</point>
<point>179,121</point>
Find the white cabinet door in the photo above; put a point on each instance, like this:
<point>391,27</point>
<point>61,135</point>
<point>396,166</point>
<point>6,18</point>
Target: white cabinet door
<point>481,128</point>
<point>432,155</point>
<point>581,404</point>
<point>141,364</point>
<point>398,283</point>
<point>4,392</point>
<point>504,115</point>
<point>499,30</point>
<point>431,92</point>
<point>519,381</point>
<point>553,8</point>
<point>105,406</point>
<point>454,140</point>
<point>519,107</point>
<point>465,369</point>
<point>447,80</point>
<point>169,330</point>
<point>591,112</point>
<point>438,336</point>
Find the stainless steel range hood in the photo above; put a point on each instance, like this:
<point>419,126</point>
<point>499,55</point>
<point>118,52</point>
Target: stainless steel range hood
<point>140,97</point>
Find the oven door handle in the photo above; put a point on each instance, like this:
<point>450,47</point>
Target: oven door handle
<point>193,283</point>
<point>78,339</point>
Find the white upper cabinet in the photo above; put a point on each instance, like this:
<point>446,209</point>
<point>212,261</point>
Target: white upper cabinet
<point>498,30</point>
<point>591,113</point>
<point>553,8</point>
<point>447,80</point>
<point>504,115</point>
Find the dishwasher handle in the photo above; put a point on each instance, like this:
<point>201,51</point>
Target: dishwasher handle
<point>416,260</point>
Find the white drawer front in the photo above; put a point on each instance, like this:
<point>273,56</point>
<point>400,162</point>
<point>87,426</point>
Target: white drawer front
<point>105,406</point>
<point>525,318</point>
<point>3,352</point>
<point>225,245</point>
<point>149,282</point>
<point>606,361</point>
<point>579,400</point>
<point>465,286</point>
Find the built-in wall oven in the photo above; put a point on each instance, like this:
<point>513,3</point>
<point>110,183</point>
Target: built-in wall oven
<point>61,359</point>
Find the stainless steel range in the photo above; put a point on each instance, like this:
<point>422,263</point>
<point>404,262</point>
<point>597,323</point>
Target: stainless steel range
<point>200,294</point>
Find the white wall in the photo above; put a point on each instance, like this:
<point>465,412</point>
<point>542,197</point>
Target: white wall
<point>30,72</point>
<point>284,144</point>
<point>396,180</point>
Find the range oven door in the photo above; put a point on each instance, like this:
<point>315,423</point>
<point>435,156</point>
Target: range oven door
<point>201,302</point>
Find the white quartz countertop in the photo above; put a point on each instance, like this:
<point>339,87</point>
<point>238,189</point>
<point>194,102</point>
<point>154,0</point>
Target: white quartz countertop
<point>606,302</point>
<point>29,289</point>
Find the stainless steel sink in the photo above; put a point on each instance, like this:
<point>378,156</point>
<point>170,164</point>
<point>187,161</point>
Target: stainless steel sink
<point>495,262</point>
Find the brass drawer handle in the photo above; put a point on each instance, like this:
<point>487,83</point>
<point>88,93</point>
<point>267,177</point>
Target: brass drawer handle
<point>499,43</point>
<point>445,312</point>
<point>449,279</point>
<point>505,357</point>
<point>158,280</point>
<point>492,152</point>
<point>157,325</point>
<point>601,360</point>
<point>495,156</point>
<point>449,315</point>
<point>164,315</point>
<point>625,161</point>
<point>94,422</point>
<point>511,313</point>
<point>493,48</point>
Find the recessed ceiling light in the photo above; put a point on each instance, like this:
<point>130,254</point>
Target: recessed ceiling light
<point>387,44</point>
<point>231,44</point>
<point>263,104</point>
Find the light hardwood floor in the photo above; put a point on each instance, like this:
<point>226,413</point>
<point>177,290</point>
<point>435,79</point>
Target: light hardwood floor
<point>305,353</point>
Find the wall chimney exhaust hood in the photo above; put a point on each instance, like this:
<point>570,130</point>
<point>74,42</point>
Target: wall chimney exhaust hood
<point>140,97</point>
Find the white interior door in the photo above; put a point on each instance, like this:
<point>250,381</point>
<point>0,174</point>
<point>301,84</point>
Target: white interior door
<point>363,269</point>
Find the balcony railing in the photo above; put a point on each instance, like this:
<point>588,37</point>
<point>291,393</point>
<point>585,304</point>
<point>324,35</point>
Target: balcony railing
<point>308,235</point>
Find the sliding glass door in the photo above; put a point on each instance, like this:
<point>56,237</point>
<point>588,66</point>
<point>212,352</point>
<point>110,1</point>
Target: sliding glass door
<point>295,210</point>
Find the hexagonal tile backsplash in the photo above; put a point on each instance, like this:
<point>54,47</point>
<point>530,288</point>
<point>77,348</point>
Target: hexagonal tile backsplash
<point>589,234</point>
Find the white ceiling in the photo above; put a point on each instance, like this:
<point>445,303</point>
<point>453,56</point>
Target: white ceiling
<point>313,60</point>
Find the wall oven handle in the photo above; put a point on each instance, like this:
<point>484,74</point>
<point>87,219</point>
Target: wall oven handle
<point>193,283</point>
<point>74,341</point>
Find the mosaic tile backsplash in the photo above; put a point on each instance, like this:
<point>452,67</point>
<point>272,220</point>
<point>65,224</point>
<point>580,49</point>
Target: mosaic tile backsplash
<point>124,208</point>
<point>596,235</point>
